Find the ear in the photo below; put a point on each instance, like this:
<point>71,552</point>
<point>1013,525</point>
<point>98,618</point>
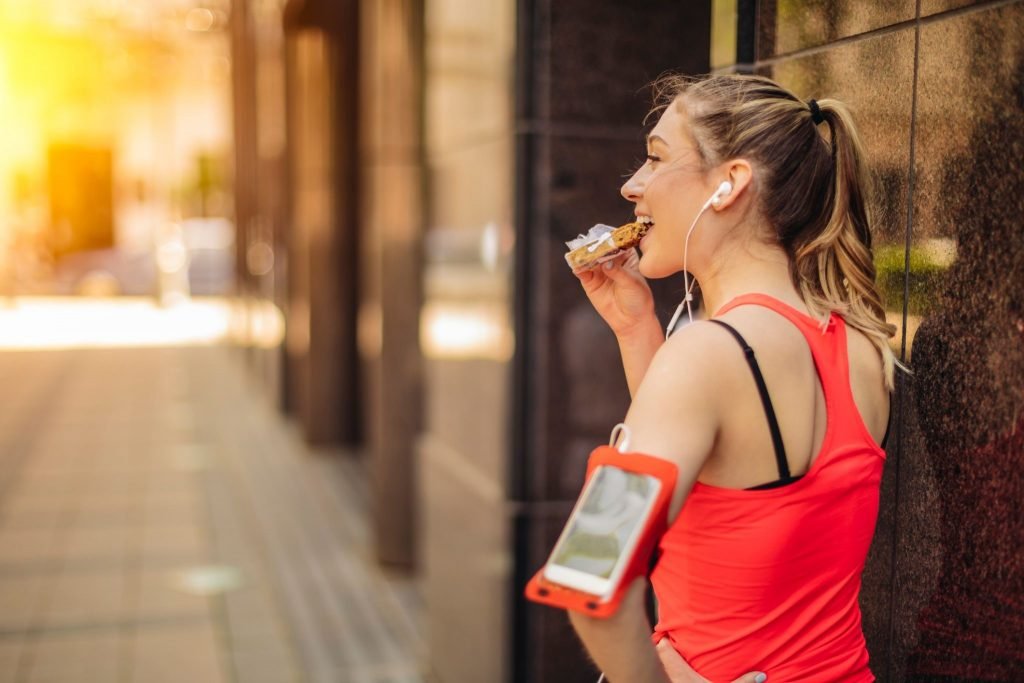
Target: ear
<point>740,174</point>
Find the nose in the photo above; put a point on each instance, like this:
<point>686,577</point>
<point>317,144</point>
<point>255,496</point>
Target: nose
<point>633,189</point>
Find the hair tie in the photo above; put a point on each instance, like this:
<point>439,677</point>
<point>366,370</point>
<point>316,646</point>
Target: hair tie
<point>816,114</point>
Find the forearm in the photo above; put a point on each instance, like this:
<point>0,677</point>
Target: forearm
<point>621,645</point>
<point>638,348</point>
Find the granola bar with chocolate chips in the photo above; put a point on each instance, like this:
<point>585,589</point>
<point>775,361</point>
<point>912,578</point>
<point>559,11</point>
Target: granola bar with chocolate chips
<point>603,242</point>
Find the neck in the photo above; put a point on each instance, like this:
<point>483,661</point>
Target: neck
<point>751,268</point>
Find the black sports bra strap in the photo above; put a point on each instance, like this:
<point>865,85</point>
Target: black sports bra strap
<point>766,401</point>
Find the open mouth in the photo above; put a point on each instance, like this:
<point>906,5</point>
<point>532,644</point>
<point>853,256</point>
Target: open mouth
<point>648,224</point>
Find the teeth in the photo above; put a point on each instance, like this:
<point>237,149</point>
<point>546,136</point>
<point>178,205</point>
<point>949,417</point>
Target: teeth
<point>646,220</point>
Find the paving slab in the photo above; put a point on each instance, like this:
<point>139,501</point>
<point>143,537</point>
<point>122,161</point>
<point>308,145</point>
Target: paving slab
<point>159,521</point>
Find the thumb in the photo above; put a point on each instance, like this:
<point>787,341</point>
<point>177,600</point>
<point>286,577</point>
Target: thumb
<point>752,677</point>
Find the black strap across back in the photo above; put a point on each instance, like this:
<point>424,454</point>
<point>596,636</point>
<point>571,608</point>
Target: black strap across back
<point>773,424</point>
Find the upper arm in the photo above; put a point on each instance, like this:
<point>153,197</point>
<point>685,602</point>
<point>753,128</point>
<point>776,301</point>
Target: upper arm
<point>675,413</point>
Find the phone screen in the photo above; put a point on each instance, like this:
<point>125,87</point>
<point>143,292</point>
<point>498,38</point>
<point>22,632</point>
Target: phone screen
<point>603,528</point>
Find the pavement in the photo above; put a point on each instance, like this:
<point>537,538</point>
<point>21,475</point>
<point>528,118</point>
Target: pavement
<point>160,521</point>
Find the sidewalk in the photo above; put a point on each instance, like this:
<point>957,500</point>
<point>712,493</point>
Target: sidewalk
<point>160,522</point>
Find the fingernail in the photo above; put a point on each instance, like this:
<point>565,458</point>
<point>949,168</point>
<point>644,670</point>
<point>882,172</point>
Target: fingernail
<point>609,265</point>
<point>760,678</point>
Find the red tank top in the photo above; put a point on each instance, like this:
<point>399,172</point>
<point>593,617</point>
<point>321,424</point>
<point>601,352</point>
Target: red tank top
<point>768,580</point>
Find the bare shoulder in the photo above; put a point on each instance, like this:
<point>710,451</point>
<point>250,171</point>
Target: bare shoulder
<point>676,413</point>
<point>691,360</point>
<point>863,354</point>
<point>676,408</point>
<point>766,329</point>
<point>702,363</point>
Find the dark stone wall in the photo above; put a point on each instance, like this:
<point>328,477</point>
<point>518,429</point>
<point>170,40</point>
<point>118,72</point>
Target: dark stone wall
<point>938,91</point>
<point>959,572</point>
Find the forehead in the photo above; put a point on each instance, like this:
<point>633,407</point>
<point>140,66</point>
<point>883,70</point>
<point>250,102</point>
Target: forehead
<point>673,125</point>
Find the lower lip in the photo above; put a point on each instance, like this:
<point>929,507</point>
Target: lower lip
<point>646,237</point>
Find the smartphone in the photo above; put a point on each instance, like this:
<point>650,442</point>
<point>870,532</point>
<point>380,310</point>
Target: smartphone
<point>598,541</point>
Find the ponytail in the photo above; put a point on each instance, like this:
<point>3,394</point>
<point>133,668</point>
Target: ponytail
<point>835,269</point>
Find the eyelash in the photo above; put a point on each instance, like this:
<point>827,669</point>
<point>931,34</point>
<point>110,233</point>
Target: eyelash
<point>637,165</point>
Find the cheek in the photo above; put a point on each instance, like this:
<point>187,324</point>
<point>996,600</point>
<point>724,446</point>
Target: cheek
<point>668,200</point>
<point>659,189</point>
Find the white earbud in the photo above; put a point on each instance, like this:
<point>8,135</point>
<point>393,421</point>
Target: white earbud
<point>721,193</point>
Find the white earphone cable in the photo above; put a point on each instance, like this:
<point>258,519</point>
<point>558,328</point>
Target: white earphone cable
<point>687,284</point>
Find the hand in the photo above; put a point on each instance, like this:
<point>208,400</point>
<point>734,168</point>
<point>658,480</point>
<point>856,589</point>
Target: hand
<point>679,671</point>
<point>619,293</point>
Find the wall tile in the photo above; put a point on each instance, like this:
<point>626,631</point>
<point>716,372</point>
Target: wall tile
<point>469,187</point>
<point>603,53</point>
<point>959,570</point>
<point>789,26</point>
<point>929,7</point>
<point>469,55</point>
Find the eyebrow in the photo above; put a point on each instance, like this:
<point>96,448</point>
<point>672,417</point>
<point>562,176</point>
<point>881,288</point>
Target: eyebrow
<point>657,138</point>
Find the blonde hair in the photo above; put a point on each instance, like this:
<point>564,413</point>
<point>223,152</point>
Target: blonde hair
<point>811,190</point>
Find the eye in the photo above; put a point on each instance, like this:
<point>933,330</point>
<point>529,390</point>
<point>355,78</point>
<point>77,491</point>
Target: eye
<point>631,171</point>
<point>637,165</point>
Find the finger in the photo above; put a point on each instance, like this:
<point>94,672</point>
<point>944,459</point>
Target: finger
<point>623,259</point>
<point>620,269</point>
<point>752,677</point>
<point>677,668</point>
<point>593,279</point>
<point>632,260</point>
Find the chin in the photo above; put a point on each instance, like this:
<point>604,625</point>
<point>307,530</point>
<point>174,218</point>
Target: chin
<point>651,269</point>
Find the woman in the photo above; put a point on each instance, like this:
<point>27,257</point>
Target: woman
<point>762,197</point>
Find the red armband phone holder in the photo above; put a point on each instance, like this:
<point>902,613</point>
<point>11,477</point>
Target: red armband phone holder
<point>543,591</point>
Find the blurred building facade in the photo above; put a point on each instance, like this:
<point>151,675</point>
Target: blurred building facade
<point>115,147</point>
<point>406,174</point>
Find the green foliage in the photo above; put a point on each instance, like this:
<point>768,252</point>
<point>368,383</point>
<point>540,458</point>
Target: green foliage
<point>926,275</point>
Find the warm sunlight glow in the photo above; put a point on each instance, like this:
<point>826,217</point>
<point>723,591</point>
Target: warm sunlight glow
<point>464,330</point>
<point>116,122</point>
<point>50,323</point>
